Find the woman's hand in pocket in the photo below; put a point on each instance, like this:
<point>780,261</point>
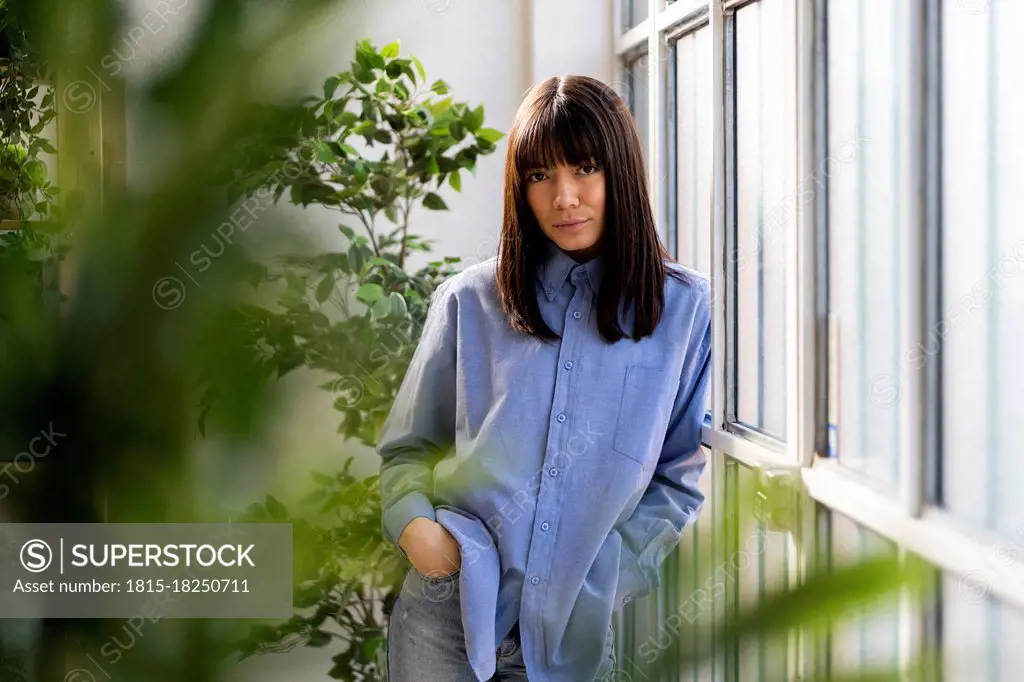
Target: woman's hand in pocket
<point>431,548</point>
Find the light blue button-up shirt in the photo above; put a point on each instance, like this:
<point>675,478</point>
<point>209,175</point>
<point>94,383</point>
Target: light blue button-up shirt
<point>566,469</point>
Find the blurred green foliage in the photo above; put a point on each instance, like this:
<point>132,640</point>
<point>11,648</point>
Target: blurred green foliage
<point>116,369</point>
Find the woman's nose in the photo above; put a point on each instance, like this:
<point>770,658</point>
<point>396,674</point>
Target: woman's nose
<point>566,196</point>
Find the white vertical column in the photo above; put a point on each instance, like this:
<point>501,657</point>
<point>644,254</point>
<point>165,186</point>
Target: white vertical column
<point>718,256</point>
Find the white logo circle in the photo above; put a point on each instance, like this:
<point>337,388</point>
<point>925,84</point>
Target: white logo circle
<point>39,554</point>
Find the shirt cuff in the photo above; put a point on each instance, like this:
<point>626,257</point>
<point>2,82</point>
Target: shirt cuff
<point>398,515</point>
<point>632,580</point>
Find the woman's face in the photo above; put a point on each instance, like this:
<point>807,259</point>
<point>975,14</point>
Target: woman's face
<point>568,202</point>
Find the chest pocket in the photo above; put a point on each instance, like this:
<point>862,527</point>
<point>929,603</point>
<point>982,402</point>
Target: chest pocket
<point>643,415</point>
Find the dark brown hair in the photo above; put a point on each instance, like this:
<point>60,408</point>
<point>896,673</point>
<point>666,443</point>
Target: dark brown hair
<point>573,120</point>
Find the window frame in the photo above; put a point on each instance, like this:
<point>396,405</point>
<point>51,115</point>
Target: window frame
<point>913,519</point>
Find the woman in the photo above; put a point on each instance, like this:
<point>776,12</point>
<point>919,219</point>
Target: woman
<point>543,452</point>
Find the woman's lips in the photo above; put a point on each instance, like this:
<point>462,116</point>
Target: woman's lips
<point>572,224</point>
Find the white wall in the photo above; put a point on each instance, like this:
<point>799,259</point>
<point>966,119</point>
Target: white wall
<point>488,51</point>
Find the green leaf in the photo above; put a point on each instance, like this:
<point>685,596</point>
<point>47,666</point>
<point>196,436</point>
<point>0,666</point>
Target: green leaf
<point>434,202</point>
<point>475,118</point>
<point>381,308</point>
<point>440,87</point>
<point>419,68</point>
<point>489,135</point>
<point>346,118</point>
<point>320,477</point>
<point>331,86</point>
<point>398,306</point>
<point>370,293</point>
<point>355,259</point>
<point>324,152</point>
<point>325,288</point>
<point>318,639</point>
<point>455,180</point>
<point>440,107</point>
<point>390,51</point>
<point>306,597</point>
<point>275,509</point>
<point>370,647</point>
<point>347,231</point>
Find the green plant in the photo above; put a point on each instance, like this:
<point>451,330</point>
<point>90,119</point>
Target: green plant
<point>356,313</point>
<point>344,574</point>
<point>27,197</point>
<point>25,190</point>
<point>19,176</point>
<point>376,147</point>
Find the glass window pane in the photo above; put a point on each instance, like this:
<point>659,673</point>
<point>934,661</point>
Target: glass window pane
<point>867,171</point>
<point>765,186</point>
<point>689,589</point>
<point>636,72</point>
<point>867,637</point>
<point>694,140</point>
<point>981,637</point>
<point>757,567</point>
<point>982,319</point>
<point>633,12</point>
<point>694,148</point>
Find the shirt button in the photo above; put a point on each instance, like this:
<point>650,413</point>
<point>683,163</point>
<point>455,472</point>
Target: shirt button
<point>534,580</point>
<point>545,525</point>
<point>560,417</point>
<point>550,290</point>
<point>577,314</point>
<point>568,364</point>
<point>553,471</point>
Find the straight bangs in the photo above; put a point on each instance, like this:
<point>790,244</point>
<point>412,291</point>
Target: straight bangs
<point>560,133</point>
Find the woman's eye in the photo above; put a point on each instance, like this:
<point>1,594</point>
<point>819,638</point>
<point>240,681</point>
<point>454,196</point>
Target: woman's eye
<point>535,176</point>
<point>589,169</point>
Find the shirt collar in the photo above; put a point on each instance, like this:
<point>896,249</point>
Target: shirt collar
<point>558,265</point>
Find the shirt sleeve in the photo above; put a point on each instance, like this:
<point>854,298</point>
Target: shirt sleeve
<point>420,427</point>
<point>672,499</point>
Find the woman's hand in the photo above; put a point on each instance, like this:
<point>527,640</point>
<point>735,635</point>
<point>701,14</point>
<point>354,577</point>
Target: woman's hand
<point>431,548</point>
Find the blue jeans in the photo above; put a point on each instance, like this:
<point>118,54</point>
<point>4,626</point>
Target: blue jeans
<point>426,642</point>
